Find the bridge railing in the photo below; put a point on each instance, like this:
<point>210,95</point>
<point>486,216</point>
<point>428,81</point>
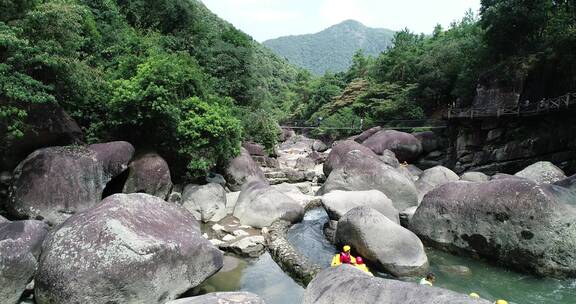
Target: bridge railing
<point>525,108</point>
<point>361,125</point>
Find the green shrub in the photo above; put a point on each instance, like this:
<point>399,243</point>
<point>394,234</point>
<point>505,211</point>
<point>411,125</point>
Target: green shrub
<point>165,105</point>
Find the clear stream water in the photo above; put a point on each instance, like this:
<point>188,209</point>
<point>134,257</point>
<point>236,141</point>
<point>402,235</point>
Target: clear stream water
<point>263,277</point>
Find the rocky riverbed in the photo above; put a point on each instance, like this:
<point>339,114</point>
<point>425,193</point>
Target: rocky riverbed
<point>108,225</point>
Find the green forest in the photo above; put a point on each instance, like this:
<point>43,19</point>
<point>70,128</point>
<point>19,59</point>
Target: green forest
<point>172,76</point>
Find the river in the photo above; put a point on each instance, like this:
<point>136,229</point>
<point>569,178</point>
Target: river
<point>263,277</point>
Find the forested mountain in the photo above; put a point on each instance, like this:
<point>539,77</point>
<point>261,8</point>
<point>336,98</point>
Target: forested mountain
<point>166,74</point>
<point>332,49</point>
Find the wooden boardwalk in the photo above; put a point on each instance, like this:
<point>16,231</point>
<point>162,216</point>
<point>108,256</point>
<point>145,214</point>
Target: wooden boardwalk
<point>523,109</point>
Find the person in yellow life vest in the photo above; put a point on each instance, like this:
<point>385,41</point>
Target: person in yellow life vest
<point>429,280</point>
<point>501,302</point>
<point>343,257</point>
<point>475,295</point>
<point>360,265</point>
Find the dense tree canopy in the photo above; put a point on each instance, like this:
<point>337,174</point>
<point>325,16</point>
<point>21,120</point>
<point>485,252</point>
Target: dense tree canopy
<point>166,75</point>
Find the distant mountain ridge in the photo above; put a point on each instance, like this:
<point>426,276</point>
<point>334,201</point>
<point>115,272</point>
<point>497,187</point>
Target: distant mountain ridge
<point>333,48</point>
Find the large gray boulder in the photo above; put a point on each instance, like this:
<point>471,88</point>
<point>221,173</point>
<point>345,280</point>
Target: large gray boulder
<point>346,284</point>
<point>241,170</point>
<point>516,222</point>
<point>337,203</point>
<point>149,173</point>
<point>434,177</point>
<point>474,177</point>
<point>389,158</point>
<point>207,203</point>
<point>259,205</point>
<point>53,183</point>
<point>542,172</point>
<point>240,297</point>
<point>366,134</point>
<point>254,149</point>
<point>361,172</point>
<point>114,156</point>
<point>339,151</point>
<point>406,146</point>
<point>131,248</point>
<point>388,245</point>
<point>20,244</point>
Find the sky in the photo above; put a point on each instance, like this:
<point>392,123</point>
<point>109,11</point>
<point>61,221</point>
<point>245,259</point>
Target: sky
<point>266,19</point>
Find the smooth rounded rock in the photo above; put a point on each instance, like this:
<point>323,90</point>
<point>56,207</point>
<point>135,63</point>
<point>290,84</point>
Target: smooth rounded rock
<point>477,177</point>
<point>259,205</point>
<point>222,298</point>
<point>53,183</point>
<point>361,172</point>
<point>542,172</point>
<point>242,169</point>
<point>337,203</point>
<point>114,156</point>
<point>339,151</point>
<point>131,248</point>
<point>346,284</point>
<point>434,177</point>
<point>366,134</point>
<point>207,203</point>
<point>20,244</point>
<point>385,243</point>
<point>515,222</point>
<point>149,173</point>
<point>406,146</point>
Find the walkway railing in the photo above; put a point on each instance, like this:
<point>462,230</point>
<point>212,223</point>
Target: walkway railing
<point>360,126</point>
<point>523,109</point>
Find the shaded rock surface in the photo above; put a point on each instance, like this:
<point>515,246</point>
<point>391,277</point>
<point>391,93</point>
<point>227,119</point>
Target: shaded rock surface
<point>361,172</point>
<point>346,284</point>
<point>207,203</point>
<point>366,134</point>
<point>250,246</point>
<point>406,146</point>
<point>131,248</point>
<point>339,151</point>
<point>53,183</point>
<point>388,245</point>
<point>337,203</point>
<point>149,173</point>
<point>254,149</point>
<point>542,172</point>
<point>20,244</point>
<point>474,177</point>
<point>241,170</point>
<point>222,298</point>
<point>515,222</point>
<point>260,204</point>
<point>114,156</point>
<point>434,177</point>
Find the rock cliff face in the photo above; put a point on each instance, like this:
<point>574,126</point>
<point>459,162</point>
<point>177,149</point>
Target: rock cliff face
<point>510,144</point>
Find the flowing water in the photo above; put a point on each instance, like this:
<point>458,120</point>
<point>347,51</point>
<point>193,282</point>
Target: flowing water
<point>263,277</point>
